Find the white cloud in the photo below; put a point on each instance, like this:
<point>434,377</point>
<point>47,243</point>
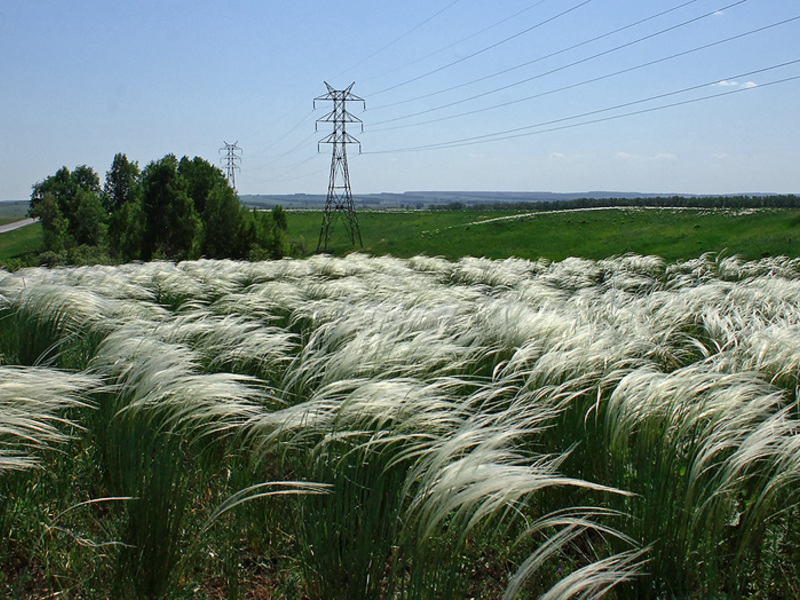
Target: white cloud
<point>642,158</point>
<point>720,156</point>
<point>746,84</point>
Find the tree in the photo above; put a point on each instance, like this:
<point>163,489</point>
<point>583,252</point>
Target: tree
<point>122,200</point>
<point>56,201</point>
<point>170,219</point>
<point>221,220</point>
<point>279,216</point>
<point>90,220</point>
<point>45,207</point>
<point>201,178</point>
<point>122,183</point>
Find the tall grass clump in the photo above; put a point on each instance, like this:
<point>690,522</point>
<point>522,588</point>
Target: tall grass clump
<point>39,410</point>
<point>152,436</point>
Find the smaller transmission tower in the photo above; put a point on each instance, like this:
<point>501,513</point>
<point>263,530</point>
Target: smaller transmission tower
<point>231,162</point>
<point>340,199</point>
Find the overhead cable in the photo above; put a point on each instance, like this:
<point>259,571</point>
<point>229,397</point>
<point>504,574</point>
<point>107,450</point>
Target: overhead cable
<point>485,49</point>
<point>518,131</point>
<point>594,79</point>
<point>561,68</point>
<point>539,59</point>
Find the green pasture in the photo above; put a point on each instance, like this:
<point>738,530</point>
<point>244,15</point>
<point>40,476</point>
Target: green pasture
<point>594,234</point>
<point>20,242</point>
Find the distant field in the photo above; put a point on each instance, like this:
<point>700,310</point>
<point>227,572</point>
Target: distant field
<point>20,241</point>
<point>13,210</point>
<point>594,234</point>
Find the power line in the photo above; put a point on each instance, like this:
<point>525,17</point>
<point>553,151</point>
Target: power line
<point>595,79</point>
<point>281,138</point>
<point>561,68</point>
<point>461,41</point>
<point>539,59</point>
<point>517,131</point>
<point>485,49</point>
<point>406,34</point>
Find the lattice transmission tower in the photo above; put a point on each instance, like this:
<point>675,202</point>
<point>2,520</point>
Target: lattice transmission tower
<point>230,162</point>
<point>339,201</point>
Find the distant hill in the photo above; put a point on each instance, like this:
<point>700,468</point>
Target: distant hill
<point>424,199</point>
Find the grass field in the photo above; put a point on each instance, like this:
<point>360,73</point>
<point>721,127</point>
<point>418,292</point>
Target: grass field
<point>378,428</point>
<point>20,242</point>
<point>671,234</point>
<point>593,234</point>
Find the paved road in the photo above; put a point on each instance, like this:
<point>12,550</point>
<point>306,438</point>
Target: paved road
<point>16,225</point>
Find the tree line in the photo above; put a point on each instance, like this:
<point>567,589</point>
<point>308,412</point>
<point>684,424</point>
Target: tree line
<point>172,209</point>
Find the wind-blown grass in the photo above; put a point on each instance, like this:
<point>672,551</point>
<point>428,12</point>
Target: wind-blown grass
<point>624,427</point>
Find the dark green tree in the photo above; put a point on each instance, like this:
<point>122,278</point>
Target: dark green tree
<point>170,220</point>
<point>266,239</point>
<point>221,221</point>
<point>44,206</point>
<point>90,220</point>
<point>279,217</point>
<point>201,178</point>
<point>123,183</point>
<point>129,241</point>
<point>67,190</point>
<point>122,198</point>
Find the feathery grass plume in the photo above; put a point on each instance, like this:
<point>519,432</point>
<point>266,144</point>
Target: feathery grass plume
<point>386,340</point>
<point>268,301</point>
<point>33,401</point>
<point>359,437</point>
<point>149,441</point>
<point>650,266</point>
<point>572,274</point>
<point>166,379</point>
<point>477,482</point>
<point>592,581</point>
<point>493,273</point>
<point>39,324</point>
<point>38,413</point>
<point>632,273</point>
<point>672,438</point>
<point>170,285</point>
<point>767,297</point>
<point>774,351</point>
<point>693,272</point>
<point>733,268</point>
<point>516,325</point>
<point>220,276</point>
<point>231,342</point>
<point>440,268</point>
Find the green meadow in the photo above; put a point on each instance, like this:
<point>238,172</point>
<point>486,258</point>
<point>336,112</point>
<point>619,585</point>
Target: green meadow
<point>593,234</point>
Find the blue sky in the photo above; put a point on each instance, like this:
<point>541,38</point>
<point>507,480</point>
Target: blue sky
<point>442,80</point>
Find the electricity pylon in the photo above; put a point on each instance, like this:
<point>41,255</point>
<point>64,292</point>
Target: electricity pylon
<point>340,199</point>
<point>230,161</point>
